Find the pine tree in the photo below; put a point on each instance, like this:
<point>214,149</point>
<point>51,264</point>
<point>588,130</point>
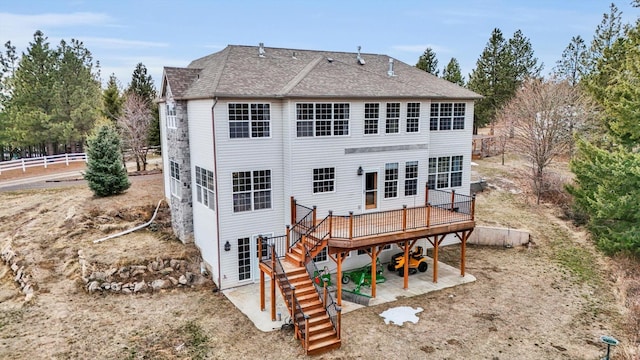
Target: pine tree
<point>607,32</point>
<point>428,62</point>
<point>574,64</point>
<point>523,62</point>
<point>105,173</point>
<point>491,78</point>
<point>453,73</point>
<point>142,85</point>
<point>112,100</point>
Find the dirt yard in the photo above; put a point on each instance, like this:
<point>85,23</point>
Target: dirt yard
<point>552,299</point>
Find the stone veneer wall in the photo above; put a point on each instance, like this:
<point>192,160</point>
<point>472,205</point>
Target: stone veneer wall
<point>178,151</point>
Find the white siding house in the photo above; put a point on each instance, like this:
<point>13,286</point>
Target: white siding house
<point>248,128</point>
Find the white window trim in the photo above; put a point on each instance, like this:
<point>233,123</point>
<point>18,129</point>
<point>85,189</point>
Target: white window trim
<point>171,119</point>
<point>397,181</point>
<point>313,181</point>
<point>387,118</point>
<point>364,120</point>
<point>201,189</point>
<point>250,137</point>
<point>174,183</point>
<point>450,186</point>
<point>314,136</point>
<point>419,118</point>
<point>252,192</point>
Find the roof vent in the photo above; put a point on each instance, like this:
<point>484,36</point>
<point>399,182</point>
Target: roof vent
<point>390,71</point>
<point>293,56</point>
<point>330,59</point>
<point>360,59</point>
<point>261,50</point>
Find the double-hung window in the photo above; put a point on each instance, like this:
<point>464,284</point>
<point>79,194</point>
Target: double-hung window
<point>458,116</point>
<point>411,178</point>
<point>205,187</point>
<point>322,119</point>
<point>391,180</point>
<point>392,124</point>
<point>249,120</point>
<point>174,181</point>
<point>324,180</point>
<point>171,115</point>
<point>371,116</point>
<point>251,190</point>
<point>413,117</point>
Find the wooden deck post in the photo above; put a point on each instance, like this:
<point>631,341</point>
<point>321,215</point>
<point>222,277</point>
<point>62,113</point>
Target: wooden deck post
<point>453,199</point>
<point>273,283</point>
<point>330,223</point>
<point>315,210</point>
<point>288,237</point>
<point>428,215</point>
<point>463,246</point>
<point>426,194</point>
<point>262,294</point>
<point>406,265</point>
<point>435,258</point>
<point>404,217</point>
<point>374,257</point>
<point>293,210</point>
<point>473,207</point>
<point>339,322</point>
<point>339,279</point>
<point>350,225</point>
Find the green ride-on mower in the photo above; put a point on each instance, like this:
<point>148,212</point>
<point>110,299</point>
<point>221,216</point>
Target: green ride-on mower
<point>417,262</point>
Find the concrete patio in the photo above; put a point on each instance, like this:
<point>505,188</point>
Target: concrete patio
<point>247,298</point>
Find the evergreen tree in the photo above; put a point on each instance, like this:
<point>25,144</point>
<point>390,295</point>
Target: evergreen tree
<point>105,173</point>
<point>453,73</point>
<point>112,100</point>
<point>523,62</point>
<point>428,62</point>
<point>608,190</point>
<point>607,32</point>
<point>142,85</point>
<point>574,63</point>
<point>491,78</point>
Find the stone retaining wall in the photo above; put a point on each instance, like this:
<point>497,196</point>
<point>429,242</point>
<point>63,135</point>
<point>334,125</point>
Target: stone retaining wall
<point>21,276</point>
<point>156,275</point>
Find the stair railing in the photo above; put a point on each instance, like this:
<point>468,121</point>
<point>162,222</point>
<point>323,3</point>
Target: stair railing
<point>328,301</point>
<point>289,295</point>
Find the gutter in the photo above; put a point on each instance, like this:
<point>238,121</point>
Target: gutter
<point>216,176</point>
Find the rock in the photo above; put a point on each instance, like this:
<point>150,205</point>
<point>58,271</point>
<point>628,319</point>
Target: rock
<point>199,280</point>
<point>166,271</point>
<point>189,276</point>
<point>173,280</point>
<point>14,268</point>
<point>174,264</point>
<point>137,272</point>
<point>153,266</point>
<point>18,274</point>
<point>139,286</point>
<point>116,286</point>
<point>98,275</point>
<point>27,289</point>
<point>159,284</point>
<point>93,286</point>
<point>183,280</point>
<point>29,296</point>
<point>124,274</point>
<point>127,286</point>
<point>109,273</point>
<point>126,290</point>
<point>106,285</point>
<point>139,267</point>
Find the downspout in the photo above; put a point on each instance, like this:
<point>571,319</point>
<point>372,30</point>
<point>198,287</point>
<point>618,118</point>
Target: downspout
<point>215,168</point>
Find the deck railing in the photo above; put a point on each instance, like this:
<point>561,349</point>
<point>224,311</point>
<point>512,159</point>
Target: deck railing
<point>297,315</point>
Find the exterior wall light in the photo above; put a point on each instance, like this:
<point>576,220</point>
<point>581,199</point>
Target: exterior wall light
<point>227,246</point>
<point>360,171</point>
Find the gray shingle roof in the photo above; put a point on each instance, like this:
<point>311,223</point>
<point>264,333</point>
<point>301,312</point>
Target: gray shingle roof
<point>238,71</point>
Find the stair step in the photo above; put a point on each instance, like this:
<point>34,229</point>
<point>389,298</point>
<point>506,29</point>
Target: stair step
<point>323,346</point>
<point>321,327</point>
<point>322,336</point>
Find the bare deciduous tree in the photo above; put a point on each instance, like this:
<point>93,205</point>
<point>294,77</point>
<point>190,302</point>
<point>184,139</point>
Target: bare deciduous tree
<point>134,124</point>
<point>540,121</point>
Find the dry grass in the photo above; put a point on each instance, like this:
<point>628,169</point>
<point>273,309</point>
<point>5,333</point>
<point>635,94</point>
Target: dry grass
<point>551,300</point>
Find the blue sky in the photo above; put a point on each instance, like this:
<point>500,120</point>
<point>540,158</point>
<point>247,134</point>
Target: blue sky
<point>172,33</point>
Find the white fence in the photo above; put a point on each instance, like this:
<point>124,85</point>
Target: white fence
<point>41,161</point>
